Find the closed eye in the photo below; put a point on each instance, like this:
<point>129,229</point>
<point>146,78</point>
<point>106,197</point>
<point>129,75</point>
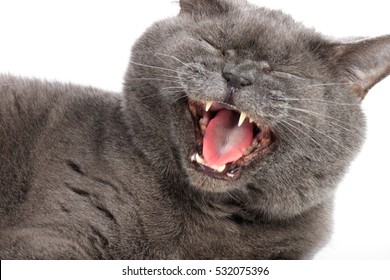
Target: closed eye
<point>214,45</point>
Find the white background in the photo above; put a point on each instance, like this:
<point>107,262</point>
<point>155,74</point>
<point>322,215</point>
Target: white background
<point>88,42</point>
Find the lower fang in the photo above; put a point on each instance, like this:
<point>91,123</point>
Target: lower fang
<point>231,175</point>
<point>220,168</point>
<point>199,159</point>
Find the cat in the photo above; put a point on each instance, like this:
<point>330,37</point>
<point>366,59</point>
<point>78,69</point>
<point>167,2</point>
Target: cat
<point>233,129</point>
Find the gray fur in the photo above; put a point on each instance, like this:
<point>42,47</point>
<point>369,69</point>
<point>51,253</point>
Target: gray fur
<point>87,174</point>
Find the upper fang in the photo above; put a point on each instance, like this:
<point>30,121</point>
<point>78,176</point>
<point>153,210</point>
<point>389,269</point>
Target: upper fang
<point>242,119</point>
<point>208,106</point>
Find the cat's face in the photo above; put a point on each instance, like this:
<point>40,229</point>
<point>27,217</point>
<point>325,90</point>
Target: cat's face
<point>254,101</point>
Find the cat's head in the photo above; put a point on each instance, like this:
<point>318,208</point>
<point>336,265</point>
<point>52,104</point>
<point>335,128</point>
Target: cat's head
<point>243,99</point>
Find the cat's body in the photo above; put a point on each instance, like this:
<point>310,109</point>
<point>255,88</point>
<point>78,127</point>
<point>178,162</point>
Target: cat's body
<point>89,174</point>
<point>79,188</point>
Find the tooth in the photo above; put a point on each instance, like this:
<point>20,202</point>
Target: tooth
<point>251,120</point>
<point>208,105</point>
<point>265,142</point>
<point>202,129</point>
<point>199,159</point>
<point>255,142</point>
<point>242,119</point>
<point>220,168</point>
<point>193,157</point>
<point>249,150</point>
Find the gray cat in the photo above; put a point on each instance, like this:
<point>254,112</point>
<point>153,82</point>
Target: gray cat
<point>235,125</point>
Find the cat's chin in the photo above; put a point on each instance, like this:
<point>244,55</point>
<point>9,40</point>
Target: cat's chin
<point>243,141</point>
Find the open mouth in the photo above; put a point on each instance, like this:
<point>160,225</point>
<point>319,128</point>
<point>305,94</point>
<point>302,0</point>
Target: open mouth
<point>226,139</point>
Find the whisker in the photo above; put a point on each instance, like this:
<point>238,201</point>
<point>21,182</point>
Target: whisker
<point>178,87</point>
<point>320,116</point>
<point>313,101</point>
<point>155,79</point>
<point>173,57</point>
<point>319,131</point>
<point>304,133</point>
<point>154,67</point>
<point>323,84</point>
<point>159,58</point>
<point>179,92</point>
<point>168,76</point>
<point>183,96</point>
<point>155,95</point>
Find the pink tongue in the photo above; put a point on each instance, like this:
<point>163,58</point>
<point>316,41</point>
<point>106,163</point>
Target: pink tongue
<point>224,141</point>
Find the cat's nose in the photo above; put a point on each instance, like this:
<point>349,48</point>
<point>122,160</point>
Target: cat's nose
<point>236,79</point>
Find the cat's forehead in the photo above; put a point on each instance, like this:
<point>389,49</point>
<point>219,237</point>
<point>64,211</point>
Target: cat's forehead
<point>254,30</point>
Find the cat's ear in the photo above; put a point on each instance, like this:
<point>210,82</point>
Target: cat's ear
<point>197,8</point>
<point>363,63</point>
